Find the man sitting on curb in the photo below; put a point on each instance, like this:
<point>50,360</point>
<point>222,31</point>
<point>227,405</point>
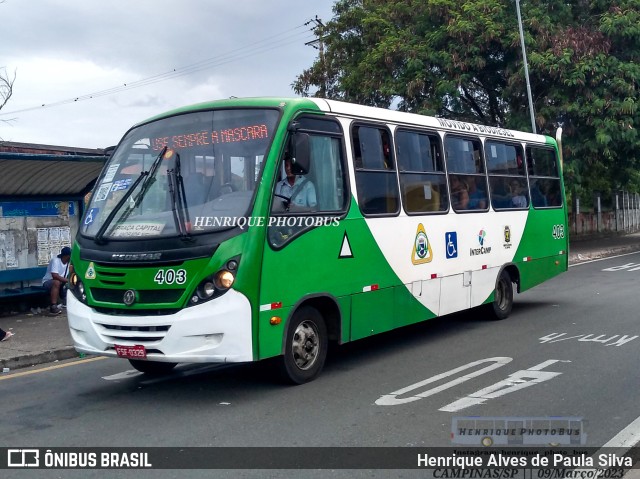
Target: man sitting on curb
<point>55,278</point>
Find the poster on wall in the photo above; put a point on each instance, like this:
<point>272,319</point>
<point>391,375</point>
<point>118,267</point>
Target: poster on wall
<point>2,240</point>
<point>51,241</point>
<point>8,251</point>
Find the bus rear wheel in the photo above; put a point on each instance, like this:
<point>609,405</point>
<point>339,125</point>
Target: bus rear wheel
<point>503,296</point>
<point>305,348</point>
<point>154,368</point>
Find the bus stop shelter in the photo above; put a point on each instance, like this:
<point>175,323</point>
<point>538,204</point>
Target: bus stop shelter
<point>42,191</point>
<point>47,177</point>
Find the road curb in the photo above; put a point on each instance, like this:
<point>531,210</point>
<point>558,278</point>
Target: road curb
<point>575,258</point>
<point>51,356</point>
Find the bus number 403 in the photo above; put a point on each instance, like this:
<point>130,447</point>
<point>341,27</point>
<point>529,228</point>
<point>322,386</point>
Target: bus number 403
<point>169,276</point>
<point>558,231</point>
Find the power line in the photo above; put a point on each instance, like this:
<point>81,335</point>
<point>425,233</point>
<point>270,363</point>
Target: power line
<point>269,43</point>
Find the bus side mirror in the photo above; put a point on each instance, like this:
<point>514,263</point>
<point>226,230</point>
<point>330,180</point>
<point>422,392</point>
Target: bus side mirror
<point>300,154</point>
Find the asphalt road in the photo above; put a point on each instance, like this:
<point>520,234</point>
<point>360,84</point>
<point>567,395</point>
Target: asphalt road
<point>570,348</point>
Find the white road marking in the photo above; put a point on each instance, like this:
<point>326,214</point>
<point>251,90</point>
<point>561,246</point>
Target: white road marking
<point>628,437</point>
<point>392,400</point>
<point>123,375</point>
<point>622,442</point>
<point>557,337</point>
<point>623,267</point>
<point>516,381</point>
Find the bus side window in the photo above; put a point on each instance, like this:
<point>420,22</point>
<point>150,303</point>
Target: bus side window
<point>507,177</point>
<point>467,178</point>
<point>544,177</point>
<point>422,176</point>
<point>376,180</point>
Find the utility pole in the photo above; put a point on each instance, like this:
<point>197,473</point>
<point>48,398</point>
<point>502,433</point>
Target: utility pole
<point>526,69</point>
<point>318,45</point>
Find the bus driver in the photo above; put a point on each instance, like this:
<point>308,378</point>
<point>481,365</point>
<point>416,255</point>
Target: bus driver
<point>298,189</point>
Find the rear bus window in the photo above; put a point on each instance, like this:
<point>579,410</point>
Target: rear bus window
<point>544,177</point>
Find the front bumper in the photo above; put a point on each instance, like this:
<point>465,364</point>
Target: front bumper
<point>217,331</point>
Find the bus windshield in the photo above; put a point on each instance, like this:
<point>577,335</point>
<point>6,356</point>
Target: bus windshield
<point>187,174</point>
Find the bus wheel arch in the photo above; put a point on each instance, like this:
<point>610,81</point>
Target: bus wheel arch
<point>312,324</point>
<point>514,274</point>
<point>328,308</point>
<point>502,304</point>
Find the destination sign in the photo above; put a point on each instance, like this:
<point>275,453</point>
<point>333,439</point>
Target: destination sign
<point>463,126</point>
<point>211,137</point>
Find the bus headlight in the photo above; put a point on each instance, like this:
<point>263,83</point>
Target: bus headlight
<point>217,284</point>
<point>224,279</point>
<point>77,288</point>
<point>206,289</point>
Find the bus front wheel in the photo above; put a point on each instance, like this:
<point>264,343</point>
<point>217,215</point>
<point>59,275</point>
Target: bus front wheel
<point>305,348</point>
<point>503,296</point>
<point>152,367</point>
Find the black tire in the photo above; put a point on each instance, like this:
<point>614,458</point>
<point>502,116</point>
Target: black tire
<point>305,347</point>
<point>153,368</point>
<point>502,297</point>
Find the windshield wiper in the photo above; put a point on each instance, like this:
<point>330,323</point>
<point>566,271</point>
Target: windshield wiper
<point>178,199</point>
<point>151,176</point>
<point>146,175</point>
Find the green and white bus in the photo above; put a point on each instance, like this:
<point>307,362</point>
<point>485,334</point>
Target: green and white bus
<point>246,229</point>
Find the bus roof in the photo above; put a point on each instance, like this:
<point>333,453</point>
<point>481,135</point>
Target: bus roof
<point>360,111</point>
<point>399,117</point>
<point>257,102</point>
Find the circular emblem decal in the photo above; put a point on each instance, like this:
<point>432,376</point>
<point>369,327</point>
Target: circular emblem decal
<point>129,297</point>
<point>422,245</point>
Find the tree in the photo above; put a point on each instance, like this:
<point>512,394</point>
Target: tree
<point>6,86</point>
<point>463,60</point>
<point>6,90</point>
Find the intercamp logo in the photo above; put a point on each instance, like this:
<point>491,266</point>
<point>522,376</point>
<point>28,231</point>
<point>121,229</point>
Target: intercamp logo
<point>23,458</point>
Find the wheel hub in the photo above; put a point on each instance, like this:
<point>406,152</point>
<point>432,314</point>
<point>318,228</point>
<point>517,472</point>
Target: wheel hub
<point>305,345</point>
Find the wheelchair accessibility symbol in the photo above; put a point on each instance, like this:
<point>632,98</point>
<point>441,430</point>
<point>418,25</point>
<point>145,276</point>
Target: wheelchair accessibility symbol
<point>91,216</point>
<point>451,239</point>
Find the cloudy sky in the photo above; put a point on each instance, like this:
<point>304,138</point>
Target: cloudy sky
<point>169,53</point>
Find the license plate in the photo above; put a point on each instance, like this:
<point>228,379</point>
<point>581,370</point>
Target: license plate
<point>131,352</point>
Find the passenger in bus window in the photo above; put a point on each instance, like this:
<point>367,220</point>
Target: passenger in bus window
<point>477,197</point>
<point>537,197</point>
<point>518,198</point>
<point>554,198</point>
<point>459,193</point>
<point>386,151</point>
<point>520,164</point>
<point>297,192</point>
